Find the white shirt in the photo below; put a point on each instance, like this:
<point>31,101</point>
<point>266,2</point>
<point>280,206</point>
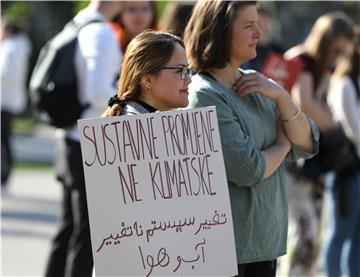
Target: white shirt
<point>345,107</point>
<point>14,59</point>
<point>97,59</point>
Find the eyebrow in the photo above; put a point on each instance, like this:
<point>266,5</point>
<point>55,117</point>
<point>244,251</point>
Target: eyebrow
<point>181,65</point>
<point>250,21</point>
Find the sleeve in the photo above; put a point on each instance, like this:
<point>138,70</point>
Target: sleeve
<point>297,152</point>
<point>103,61</point>
<point>349,109</point>
<point>244,162</point>
<point>7,57</point>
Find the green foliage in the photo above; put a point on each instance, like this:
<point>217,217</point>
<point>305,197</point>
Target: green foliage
<point>33,165</point>
<point>23,125</point>
<point>79,5</point>
<point>17,9</point>
<point>160,6</point>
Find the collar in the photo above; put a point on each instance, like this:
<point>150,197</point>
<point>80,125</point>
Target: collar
<point>151,109</point>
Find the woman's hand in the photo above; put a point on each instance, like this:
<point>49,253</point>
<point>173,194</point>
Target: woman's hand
<point>257,82</point>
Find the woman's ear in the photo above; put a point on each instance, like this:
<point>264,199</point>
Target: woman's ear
<point>146,82</point>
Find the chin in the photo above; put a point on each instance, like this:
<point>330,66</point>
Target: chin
<point>183,104</point>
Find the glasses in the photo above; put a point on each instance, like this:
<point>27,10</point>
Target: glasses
<point>183,71</point>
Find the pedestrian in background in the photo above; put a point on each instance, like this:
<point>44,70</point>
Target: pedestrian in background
<point>220,36</point>
<point>344,103</point>
<point>327,41</point>
<point>15,50</point>
<point>135,17</point>
<point>97,61</point>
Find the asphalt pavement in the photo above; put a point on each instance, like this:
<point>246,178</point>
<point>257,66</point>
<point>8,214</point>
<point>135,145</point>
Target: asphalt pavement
<point>29,212</point>
<point>30,207</point>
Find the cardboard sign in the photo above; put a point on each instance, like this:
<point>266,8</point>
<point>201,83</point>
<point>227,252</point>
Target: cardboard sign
<point>157,195</point>
<point>282,71</point>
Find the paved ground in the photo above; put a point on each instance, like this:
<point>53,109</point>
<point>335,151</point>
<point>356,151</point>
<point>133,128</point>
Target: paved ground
<point>29,214</point>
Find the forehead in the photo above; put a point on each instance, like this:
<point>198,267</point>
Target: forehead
<point>139,4</point>
<point>246,14</point>
<point>178,56</point>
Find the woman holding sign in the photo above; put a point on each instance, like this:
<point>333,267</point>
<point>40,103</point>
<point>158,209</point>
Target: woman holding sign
<point>259,125</point>
<point>154,76</point>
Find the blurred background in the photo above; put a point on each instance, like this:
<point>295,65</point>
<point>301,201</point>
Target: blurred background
<point>30,206</point>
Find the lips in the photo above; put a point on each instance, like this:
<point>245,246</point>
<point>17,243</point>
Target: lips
<point>186,91</point>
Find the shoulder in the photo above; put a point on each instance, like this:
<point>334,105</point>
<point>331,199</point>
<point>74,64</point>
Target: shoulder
<point>203,86</point>
<point>96,25</point>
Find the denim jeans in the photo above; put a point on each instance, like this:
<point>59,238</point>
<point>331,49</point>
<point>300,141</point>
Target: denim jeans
<point>344,229</point>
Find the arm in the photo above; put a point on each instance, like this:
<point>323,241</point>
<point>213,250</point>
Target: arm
<point>298,128</point>
<point>303,95</point>
<point>275,155</point>
<point>343,101</point>
<point>246,164</point>
<point>6,60</point>
<point>103,60</point>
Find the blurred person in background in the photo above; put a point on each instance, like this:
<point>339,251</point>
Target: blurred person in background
<point>97,62</point>
<point>135,17</point>
<point>259,127</point>
<point>344,102</point>
<point>15,50</point>
<point>175,17</point>
<point>329,37</point>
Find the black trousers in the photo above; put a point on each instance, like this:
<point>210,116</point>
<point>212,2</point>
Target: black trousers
<point>6,155</point>
<point>258,269</point>
<point>71,249</point>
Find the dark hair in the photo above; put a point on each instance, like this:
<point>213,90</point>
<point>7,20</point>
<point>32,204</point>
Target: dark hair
<point>146,54</point>
<point>12,26</point>
<point>350,64</point>
<point>175,17</point>
<point>208,34</point>
<point>325,31</point>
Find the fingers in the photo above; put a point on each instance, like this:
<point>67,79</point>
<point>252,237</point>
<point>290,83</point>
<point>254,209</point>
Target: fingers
<point>246,77</point>
<point>247,86</point>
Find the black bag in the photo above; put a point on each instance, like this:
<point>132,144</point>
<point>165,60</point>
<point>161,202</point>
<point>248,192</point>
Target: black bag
<point>337,152</point>
<point>53,83</point>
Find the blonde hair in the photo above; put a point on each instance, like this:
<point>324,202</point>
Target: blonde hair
<point>146,54</point>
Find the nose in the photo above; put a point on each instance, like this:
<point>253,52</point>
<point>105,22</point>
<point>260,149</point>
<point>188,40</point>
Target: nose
<point>258,33</point>
<point>188,79</point>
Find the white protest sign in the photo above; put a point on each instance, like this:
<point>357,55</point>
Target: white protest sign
<point>157,194</point>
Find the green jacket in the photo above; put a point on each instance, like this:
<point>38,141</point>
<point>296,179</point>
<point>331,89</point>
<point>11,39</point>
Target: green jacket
<point>259,206</point>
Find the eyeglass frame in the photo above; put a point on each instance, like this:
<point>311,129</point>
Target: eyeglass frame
<point>185,71</point>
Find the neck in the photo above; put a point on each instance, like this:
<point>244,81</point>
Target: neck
<point>146,98</point>
<point>226,76</point>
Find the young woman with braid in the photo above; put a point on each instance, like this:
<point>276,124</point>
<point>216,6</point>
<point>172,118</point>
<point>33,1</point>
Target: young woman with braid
<point>154,77</point>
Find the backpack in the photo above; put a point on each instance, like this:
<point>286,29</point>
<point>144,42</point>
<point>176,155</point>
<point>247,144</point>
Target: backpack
<point>53,83</point>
